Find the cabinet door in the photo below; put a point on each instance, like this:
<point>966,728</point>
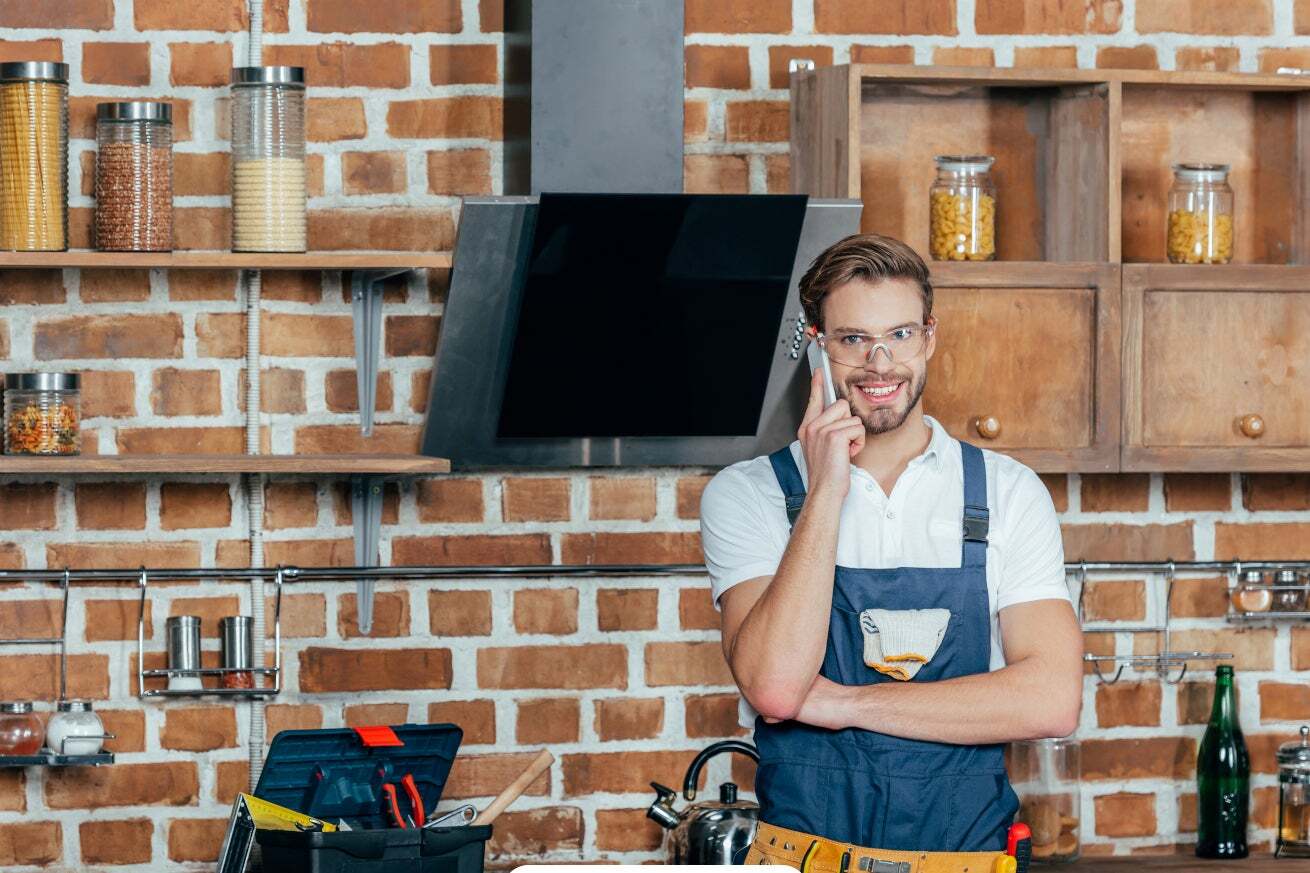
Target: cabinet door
<point>1218,365</point>
<point>1027,361</point>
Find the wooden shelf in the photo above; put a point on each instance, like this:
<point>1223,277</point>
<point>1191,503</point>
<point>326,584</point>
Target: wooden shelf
<point>165,464</point>
<point>198,259</point>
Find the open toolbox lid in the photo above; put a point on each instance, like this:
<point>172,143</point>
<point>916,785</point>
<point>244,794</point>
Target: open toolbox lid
<point>339,773</point>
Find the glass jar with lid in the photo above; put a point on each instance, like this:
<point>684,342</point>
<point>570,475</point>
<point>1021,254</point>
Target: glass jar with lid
<point>134,176</point>
<point>34,156</point>
<point>20,729</point>
<point>962,209</point>
<point>1252,594</point>
<point>75,729</point>
<point>268,159</point>
<point>1294,797</point>
<point>43,414</point>
<point>1200,215</point>
<point>1289,592</point>
<point>1047,776</point>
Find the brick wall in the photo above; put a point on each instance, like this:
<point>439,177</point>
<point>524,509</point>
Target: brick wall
<point>620,677</point>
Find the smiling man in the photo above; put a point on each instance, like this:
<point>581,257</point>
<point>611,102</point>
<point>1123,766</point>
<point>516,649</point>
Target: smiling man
<point>893,600</point>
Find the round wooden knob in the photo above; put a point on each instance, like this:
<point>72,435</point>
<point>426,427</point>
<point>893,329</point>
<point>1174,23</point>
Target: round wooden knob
<point>988,426</point>
<point>1251,425</point>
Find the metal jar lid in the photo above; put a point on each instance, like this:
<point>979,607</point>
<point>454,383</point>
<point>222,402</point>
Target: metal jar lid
<point>1296,752</point>
<point>1201,172</point>
<point>25,71</point>
<point>74,706</point>
<point>16,707</point>
<point>1253,577</point>
<point>964,163</point>
<point>43,381</point>
<point>135,110</point>
<point>1286,577</point>
<point>292,76</point>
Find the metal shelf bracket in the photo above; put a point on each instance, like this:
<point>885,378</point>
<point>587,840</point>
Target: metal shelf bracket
<point>366,515</point>
<point>366,307</point>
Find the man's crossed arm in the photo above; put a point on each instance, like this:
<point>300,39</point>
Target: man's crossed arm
<point>1037,694</point>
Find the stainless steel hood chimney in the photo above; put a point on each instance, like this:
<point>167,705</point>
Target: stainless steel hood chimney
<point>593,96</point>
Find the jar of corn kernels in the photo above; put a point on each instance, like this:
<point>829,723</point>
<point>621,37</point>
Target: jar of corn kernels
<point>962,209</point>
<point>1200,215</point>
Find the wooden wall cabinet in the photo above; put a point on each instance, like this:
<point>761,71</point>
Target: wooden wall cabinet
<point>1216,367</point>
<point>1027,361</point>
<point>1209,366</point>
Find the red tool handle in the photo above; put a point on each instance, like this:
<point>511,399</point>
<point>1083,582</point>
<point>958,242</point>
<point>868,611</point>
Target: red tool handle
<point>1019,844</point>
<point>415,799</point>
<point>393,805</point>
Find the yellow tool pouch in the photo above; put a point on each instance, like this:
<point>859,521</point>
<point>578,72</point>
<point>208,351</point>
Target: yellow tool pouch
<point>811,854</point>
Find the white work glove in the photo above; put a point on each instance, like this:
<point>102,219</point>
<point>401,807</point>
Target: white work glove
<point>898,643</point>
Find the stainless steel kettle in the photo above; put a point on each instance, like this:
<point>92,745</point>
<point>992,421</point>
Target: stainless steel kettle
<point>709,832</point>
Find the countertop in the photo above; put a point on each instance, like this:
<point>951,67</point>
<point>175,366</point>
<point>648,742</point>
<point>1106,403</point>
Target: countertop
<point>1261,862</point>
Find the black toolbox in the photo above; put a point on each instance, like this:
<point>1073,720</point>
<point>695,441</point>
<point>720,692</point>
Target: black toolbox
<point>339,775</point>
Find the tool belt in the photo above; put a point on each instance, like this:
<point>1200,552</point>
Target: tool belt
<point>811,854</point>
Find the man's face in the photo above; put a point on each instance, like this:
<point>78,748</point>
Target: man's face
<point>881,393</point>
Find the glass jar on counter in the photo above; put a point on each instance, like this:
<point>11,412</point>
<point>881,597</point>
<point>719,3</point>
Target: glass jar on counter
<point>962,209</point>
<point>1200,215</point>
<point>134,177</point>
<point>34,156</point>
<point>75,729</point>
<point>20,729</point>
<point>1251,593</point>
<point>268,159</point>
<point>1294,797</point>
<point>1289,593</point>
<point>1047,776</point>
<point>43,414</point>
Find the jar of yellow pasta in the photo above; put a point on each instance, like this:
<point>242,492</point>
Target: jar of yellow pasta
<point>1200,215</point>
<point>962,209</point>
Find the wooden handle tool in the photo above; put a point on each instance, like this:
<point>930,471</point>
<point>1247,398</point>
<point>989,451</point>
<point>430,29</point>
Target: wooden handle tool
<point>539,765</point>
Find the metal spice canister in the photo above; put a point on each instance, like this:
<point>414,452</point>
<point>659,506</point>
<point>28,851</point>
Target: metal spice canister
<point>33,156</point>
<point>134,177</point>
<point>268,159</point>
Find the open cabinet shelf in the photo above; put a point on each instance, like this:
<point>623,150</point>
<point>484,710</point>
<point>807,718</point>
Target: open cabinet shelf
<point>1083,157</point>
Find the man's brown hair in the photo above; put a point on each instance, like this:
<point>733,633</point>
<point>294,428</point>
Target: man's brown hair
<point>867,256</point>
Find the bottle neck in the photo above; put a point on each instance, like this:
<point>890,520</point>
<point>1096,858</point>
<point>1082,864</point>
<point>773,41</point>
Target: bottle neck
<point>1224,710</point>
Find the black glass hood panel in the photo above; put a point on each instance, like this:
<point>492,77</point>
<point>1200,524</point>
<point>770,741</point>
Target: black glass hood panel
<point>649,314</point>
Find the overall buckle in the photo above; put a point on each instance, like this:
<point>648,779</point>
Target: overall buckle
<point>976,524</point>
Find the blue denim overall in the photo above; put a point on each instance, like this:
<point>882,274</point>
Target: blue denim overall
<point>868,789</point>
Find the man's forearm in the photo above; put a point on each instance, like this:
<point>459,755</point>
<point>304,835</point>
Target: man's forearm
<point>779,647</point>
<point>1017,702</point>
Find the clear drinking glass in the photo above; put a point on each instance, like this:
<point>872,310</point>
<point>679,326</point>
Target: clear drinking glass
<point>1047,776</point>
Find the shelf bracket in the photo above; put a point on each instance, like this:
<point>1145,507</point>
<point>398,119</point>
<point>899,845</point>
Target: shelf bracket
<point>366,515</point>
<point>366,307</point>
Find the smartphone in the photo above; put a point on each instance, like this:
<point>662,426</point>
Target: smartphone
<point>819,361</point>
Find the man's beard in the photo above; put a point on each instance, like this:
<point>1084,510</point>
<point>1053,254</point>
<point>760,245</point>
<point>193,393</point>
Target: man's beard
<point>883,419</point>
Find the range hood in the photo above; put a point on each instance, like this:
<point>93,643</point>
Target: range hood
<point>596,315</point>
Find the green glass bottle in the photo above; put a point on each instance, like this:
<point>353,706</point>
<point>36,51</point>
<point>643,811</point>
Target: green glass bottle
<point>1223,777</point>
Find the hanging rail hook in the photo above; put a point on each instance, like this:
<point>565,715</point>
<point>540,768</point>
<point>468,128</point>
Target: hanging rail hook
<point>1100,677</point>
<point>1082,588</point>
<point>63,639</point>
<point>142,581</point>
<point>1162,666</point>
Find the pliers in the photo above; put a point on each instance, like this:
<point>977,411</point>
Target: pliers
<point>417,816</point>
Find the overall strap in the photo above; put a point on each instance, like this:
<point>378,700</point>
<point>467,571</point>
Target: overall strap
<point>974,545</point>
<point>789,479</point>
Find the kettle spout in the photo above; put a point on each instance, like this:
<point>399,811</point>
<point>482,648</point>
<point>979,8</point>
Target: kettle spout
<point>661,811</point>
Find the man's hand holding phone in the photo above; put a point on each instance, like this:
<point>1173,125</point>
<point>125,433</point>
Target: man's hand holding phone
<point>830,436</point>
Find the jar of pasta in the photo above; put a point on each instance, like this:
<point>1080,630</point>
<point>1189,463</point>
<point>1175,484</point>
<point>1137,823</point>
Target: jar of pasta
<point>34,156</point>
<point>134,176</point>
<point>1200,215</point>
<point>43,414</point>
<point>268,159</point>
<point>962,209</point>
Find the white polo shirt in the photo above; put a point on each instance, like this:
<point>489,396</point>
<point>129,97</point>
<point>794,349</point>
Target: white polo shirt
<point>744,528</point>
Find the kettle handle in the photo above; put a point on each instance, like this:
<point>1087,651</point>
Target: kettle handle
<point>693,771</point>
